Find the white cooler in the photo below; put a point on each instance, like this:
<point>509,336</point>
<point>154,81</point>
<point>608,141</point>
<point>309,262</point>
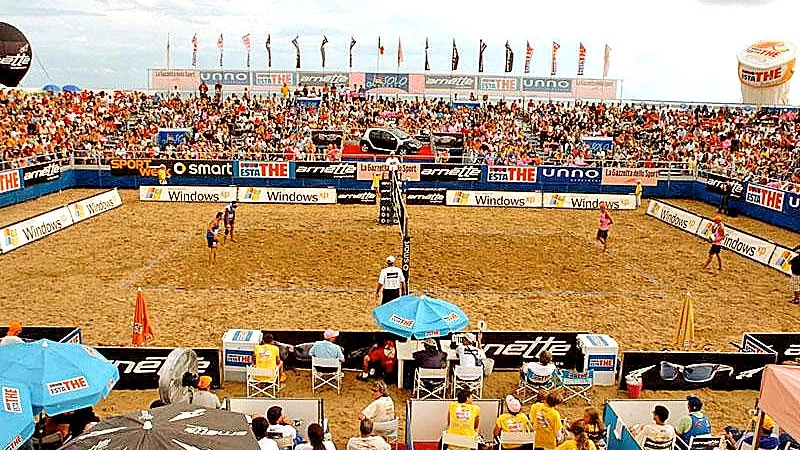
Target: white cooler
<point>600,355</point>
<point>237,352</point>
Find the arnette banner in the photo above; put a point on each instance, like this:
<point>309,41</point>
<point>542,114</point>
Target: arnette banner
<point>323,78</point>
<point>321,196</point>
<point>785,345</point>
<point>40,173</point>
<point>366,170</point>
<point>511,174</point>
<point>450,172</point>
<point>503,199</point>
<point>628,176</point>
<point>695,370</point>
<point>447,82</point>
<point>568,175</point>
<point>356,197</point>
<point>588,201</point>
<point>714,183</point>
<point>430,197</point>
<point>260,169</point>
<point>139,366</point>
<point>187,194</point>
<point>325,170</point>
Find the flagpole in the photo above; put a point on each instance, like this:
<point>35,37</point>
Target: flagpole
<point>167,51</point>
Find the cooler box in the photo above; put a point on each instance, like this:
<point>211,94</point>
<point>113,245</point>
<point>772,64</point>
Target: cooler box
<point>237,352</point>
<point>600,355</point>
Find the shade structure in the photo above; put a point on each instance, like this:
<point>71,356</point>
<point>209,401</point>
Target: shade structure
<point>780,396</point>
<point>70,88</point>
<point>51,88</point>
<point>175,427</point>
<point>684,333</point>
<point>61,377</point>
<point>16,415</point>
<point>420,316</point>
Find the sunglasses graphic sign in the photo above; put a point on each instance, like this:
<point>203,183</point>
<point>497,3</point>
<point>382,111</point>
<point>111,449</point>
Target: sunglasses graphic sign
<point>694,370</point>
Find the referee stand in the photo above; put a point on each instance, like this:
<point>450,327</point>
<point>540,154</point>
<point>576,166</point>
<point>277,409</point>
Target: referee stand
<point>392,211</point>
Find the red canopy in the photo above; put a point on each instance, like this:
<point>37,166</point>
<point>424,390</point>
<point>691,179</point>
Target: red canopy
<point>780,396</point>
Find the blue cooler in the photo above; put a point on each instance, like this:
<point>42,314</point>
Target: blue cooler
<point>600,355</point>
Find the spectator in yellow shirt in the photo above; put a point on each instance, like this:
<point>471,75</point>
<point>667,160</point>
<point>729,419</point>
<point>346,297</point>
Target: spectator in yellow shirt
<point>268,356</point>
<point>463,417</point>
<point>580,439</point>
<point>547,421</point>
<point>514,421</point>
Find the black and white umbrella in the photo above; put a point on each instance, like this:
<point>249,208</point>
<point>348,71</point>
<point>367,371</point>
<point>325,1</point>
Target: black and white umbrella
<point>173,427</point>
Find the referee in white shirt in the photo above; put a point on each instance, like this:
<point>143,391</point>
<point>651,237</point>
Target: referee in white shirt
<point>391,281</point>
<point>394,165</point>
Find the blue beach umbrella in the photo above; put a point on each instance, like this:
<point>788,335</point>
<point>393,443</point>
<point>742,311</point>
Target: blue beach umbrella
<point>16,414</point>
<point>420,316</point>
<point>51,88</point>
<point>70,88</point>
<point>61,377</point>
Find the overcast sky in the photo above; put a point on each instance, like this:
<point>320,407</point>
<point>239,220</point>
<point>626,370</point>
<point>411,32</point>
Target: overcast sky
<point>661,49</point>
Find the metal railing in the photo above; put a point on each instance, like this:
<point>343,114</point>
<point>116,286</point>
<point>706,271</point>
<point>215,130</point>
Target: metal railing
<point>64,159</point>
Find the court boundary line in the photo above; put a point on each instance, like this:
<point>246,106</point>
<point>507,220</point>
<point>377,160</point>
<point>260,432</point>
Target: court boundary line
<point>137,274</point>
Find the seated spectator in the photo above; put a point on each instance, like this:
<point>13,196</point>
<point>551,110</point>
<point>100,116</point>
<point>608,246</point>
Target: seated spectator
<point>469,354</point>
<point>547,421</point>
<point>316,439</point>
<point>594,426</point>
<point>544,367</point>
<point>12,335</point>
<point>260,426</point>
<point>381,359</point>
<point>463,417</point>
<point>327,348</point>
<point>694,424</point>
<point>659,431</point>
<point>366,440</point>
<point>268,356</point>
<point>380,410</point>
<point>768,440</point>
<point>281,426</point>
<point>579,439</point>
<point>430,357</point>
<point>513,421</point>
<point>203,397</point>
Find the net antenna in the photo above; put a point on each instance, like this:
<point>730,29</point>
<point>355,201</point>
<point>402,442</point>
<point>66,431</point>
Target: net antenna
<point>398,202</point>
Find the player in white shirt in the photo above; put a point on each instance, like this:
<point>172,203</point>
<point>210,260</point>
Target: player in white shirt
<point>394,165</point>
<point>391,281</point>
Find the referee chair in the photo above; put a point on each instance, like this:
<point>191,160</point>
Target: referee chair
<point>391,282</point>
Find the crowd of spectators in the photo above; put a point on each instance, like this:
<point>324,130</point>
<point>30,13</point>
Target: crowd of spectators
<point>744,142</point>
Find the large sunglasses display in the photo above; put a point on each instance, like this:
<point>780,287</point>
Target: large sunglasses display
<point>693,373</point>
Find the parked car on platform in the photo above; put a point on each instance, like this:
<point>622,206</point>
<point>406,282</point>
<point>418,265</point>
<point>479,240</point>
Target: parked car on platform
<point>387,140</point>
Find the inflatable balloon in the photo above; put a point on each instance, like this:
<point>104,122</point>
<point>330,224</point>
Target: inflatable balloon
<point>15,55</point>
<point>765,69</point>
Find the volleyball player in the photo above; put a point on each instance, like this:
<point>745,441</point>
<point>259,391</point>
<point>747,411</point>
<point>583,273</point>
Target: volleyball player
<point>717,238</point>
<point>211,238</point>
<point>230,217</point>
<point>605,224</point>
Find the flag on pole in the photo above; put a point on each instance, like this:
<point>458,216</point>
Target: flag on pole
<point>142,331</point>
<point>167,50</point>
<point>399,53</point>
<point>246,42</point>
<point>509,58</point>
<point>194,50</point>
<point>427,64</point>
<point>322,49</point>
<point>528,56</point>
<point>220,46</point>
<point>380,47</point>
<point>297,52</point>
<point>581,58</point>
<point>554,57</point>
<point>268,44</point>
<point>454,57</point>
<point>605,61</point>
<point>352,44</point>
<point>481,49</point>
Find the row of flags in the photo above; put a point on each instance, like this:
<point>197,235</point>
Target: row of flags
<point>454,58</point>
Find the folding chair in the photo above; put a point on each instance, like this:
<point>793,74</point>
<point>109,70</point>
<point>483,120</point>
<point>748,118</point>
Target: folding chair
<point>331,375</point>
<point>529,386</point>
<point>576,384</point>
<point>263,382</point>
<point>468,377</point>
<point>430,383</point>
<point>516,438</point>
<point>650,444</point>
<point>284,442</point>
<point>388,429</point>
<point>459,440</point>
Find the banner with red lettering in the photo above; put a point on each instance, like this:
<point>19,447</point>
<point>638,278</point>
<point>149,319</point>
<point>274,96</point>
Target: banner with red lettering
<point>10,180</point>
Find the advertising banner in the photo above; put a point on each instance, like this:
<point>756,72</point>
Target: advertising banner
<point>677,217</point>
<point>435,196</point>
<point>187,194</point>
<point>588,201</point>
<point>547,85</point>
<point>226,77</point>
<point>450,172</point>
<point>139,366</point>
<point>506,84</point>
<point>389,82</point>
<point>593,88</point>
<point>321,196</point>
<point>785,345</point>
<point>55,334</point>
<point>175,167</point>
<point>501,199</point>
<point>356,197</point>
<point>781,259</point>
<point>567,175</point>
<point>628,176</point>
<point>597,143</point>
<point>745,244</point>
<point>260,169</point>
<point>695,370</point>
<point>764,196</point>
<point>40,173</point>
<point>366,170</point>
<point>94,205</point>
<point>167,79</point>
<point>10,180</point>
<point>18,234</point>
<point>274,79</point>
<point>511,174</point>
<point>325,170</point>
<point>448,82</point>
<point>714,184</point>
<point>15,55</point>
<point>323,78</point>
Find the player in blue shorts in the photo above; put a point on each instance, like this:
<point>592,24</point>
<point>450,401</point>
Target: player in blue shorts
<point>230,218</point>
<point>211,238</point>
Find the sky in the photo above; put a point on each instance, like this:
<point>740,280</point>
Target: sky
<point>674,50</point>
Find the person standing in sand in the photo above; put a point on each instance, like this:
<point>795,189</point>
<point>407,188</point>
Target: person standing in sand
<point>605,224</point>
